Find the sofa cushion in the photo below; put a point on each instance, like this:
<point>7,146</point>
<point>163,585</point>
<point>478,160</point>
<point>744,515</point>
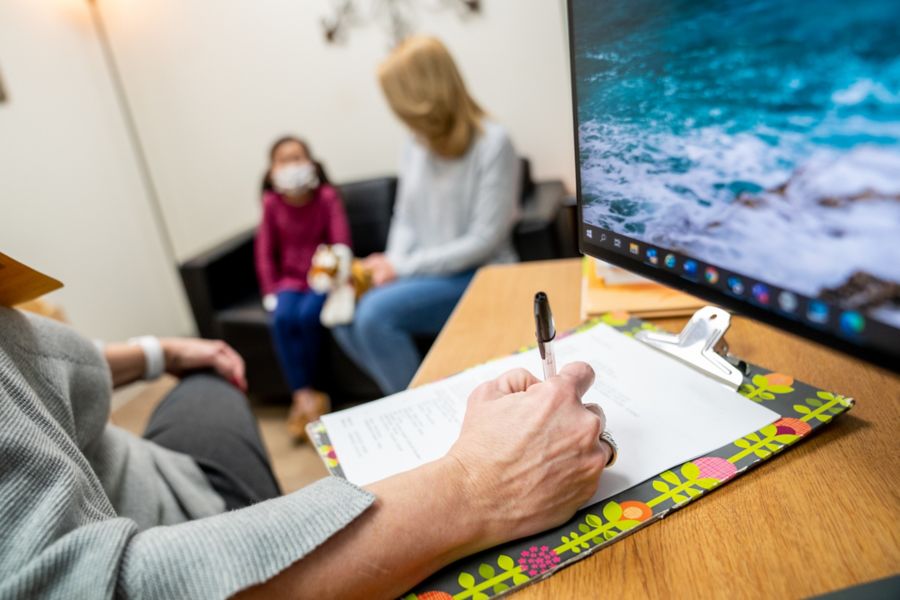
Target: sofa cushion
<point>246,312</point>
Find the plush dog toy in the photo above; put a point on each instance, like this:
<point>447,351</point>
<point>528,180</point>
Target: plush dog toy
<point>335,272</point>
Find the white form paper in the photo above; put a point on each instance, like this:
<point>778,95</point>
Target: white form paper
<point>660,412</point>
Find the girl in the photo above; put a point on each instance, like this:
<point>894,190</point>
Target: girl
<point>300,211</point>
<point>455,209</point>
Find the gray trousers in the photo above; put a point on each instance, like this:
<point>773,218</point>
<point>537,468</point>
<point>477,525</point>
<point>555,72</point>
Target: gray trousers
<point>208,419</point>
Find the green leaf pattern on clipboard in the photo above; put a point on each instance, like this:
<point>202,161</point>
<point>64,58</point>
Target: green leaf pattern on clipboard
<point>823,407</point>
<point>802,409</point>
<point>763,443</point>
<point>765,387</point>
<point>681,489</point>
<point>595,529</point>
<point>507,575</point>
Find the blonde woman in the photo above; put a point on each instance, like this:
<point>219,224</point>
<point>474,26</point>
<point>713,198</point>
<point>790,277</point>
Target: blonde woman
<point>455,209</point>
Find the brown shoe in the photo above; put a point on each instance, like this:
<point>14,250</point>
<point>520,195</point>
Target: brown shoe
<point>321,406</point>
<point>305,410</point>
<point>296,424</point>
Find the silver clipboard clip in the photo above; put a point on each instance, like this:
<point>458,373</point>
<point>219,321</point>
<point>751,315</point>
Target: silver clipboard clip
<point>701,345</point>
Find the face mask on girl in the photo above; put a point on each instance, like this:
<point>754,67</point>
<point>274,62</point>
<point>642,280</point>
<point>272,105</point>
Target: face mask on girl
<point>295,179</point>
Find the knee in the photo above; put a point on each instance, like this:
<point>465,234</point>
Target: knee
<point>343,334</point>
<point>372,317</point>
<point>209,388</point>
<point>365,315</point>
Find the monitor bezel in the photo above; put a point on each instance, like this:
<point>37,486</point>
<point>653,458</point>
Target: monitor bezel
<point>875,356</point>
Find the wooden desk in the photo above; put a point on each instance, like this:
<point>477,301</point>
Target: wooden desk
<point>821,517</point>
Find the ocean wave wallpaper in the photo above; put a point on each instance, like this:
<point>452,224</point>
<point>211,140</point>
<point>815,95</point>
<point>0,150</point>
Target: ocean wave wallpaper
<point>759,135</point>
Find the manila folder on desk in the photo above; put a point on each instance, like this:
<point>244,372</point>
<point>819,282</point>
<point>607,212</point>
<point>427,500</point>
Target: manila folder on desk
<point>660,412</point>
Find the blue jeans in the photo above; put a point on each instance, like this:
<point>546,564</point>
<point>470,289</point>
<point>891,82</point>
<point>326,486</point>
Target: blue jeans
<point>297,332</point>
<point>380,339</point>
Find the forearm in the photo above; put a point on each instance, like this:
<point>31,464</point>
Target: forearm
<point>527,457</point>
<point>126,363</point>
<point>418,524</point>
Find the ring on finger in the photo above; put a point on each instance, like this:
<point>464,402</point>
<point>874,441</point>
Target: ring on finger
<point>614,449</point>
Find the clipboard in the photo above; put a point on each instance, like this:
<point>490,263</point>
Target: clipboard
<point>20,283</point>
<point>500,570</point>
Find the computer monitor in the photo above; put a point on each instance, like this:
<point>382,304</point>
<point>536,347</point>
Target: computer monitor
<point>747,152</point>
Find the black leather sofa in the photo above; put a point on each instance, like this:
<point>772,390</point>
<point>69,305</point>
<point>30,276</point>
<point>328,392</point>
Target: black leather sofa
<point>224,296</point>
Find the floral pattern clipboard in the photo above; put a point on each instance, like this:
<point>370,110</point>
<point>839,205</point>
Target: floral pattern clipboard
<point>501,569</point>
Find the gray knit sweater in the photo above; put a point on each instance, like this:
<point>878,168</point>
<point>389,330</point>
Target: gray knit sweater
<point>91,511</point>
<point>453,215</point>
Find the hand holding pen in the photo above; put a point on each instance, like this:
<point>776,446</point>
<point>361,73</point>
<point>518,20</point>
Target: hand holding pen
<point>545,331</point>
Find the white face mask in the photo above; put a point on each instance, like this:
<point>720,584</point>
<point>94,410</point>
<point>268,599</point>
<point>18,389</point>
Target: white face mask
<point>295,179</point>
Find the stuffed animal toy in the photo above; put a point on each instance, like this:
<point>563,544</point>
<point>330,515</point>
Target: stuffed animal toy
<point>335,272</point>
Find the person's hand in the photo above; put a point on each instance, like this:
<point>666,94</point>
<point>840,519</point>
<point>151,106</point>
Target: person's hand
<point>381,268</point>
<point>188,354</point>
<point>529,451</point>
<point>527,457</point>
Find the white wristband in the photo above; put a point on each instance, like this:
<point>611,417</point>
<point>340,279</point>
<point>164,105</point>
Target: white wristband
<point>154,358</point>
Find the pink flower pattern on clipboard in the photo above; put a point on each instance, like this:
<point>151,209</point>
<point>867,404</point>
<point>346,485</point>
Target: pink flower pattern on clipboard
<point>536,560</point>
<point>714,467</point>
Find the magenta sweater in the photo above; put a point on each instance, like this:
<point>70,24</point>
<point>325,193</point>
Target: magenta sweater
<point>289,235</point>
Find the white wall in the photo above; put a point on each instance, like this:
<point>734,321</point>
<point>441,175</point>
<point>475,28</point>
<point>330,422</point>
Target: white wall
<point>71,200</point>
<point>213,82</point>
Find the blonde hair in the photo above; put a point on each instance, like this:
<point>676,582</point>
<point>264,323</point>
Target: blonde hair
<point>426,91</point>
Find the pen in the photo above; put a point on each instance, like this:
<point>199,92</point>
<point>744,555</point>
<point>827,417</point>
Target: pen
<point>545,331</point>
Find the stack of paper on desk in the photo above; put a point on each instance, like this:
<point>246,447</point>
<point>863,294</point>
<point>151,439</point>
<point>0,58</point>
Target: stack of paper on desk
<point>605,288</point>
<point>661,413</point>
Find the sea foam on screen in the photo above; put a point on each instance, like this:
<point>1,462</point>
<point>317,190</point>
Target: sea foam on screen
<point>761,136</point>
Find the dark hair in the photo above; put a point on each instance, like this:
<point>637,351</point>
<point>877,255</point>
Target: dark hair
<point>267,178</point>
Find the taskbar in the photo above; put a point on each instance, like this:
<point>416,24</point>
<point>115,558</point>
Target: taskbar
<point>850,325</point>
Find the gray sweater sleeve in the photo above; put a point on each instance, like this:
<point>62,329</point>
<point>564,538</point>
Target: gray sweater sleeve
<point>60,536</point>
<point>218,556</point>
<point>214,557</point>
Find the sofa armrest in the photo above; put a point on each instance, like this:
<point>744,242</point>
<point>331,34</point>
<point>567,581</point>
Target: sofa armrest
<point>536,235</point>
<point>541,206</point>
<point>219,278</point>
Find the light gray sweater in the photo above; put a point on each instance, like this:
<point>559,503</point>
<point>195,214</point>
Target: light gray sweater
<point>453,215</point>
<point>91,511</point>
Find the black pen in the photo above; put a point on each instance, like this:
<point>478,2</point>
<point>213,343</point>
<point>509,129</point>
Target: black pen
<point>545,331</point>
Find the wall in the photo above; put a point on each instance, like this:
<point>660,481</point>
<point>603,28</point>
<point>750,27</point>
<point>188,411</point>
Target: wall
<point>213,83</point>
<point>71,199</point>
